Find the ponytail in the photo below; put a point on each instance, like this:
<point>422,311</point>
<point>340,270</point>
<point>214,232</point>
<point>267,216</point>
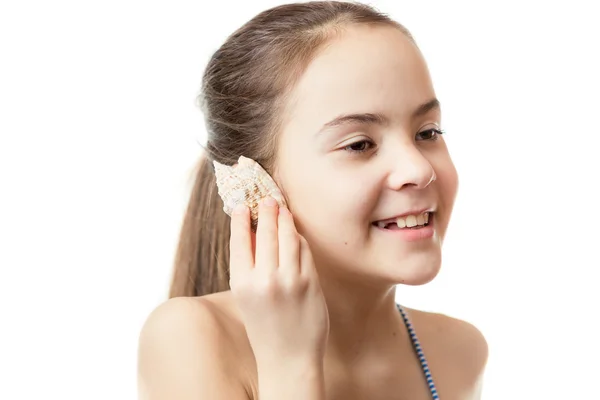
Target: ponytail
<point>202,257</point>
<point>246,88</point>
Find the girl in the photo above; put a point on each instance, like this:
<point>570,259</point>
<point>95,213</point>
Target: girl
<point>335,101</point>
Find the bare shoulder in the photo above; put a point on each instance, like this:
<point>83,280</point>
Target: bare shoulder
<point>451,343</point>
<point>186,350</point>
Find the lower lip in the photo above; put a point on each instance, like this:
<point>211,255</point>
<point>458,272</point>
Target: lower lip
<point>412,235</point>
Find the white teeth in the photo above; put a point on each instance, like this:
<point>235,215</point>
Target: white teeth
<point>411,221</point>
<point>421,220</point>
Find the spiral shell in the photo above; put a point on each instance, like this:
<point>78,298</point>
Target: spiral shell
<point>246,182</point>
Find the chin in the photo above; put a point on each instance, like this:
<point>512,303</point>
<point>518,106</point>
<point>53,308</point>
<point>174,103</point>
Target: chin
<point>414,270</point>
<point>420,277</point>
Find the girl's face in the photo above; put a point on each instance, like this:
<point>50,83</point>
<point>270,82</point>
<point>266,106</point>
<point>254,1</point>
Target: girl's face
<point>343,174</point>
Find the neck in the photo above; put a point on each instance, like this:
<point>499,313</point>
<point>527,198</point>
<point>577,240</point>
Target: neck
<point>363,317</point>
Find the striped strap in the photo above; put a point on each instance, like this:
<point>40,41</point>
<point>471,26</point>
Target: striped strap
<point>419,350</point>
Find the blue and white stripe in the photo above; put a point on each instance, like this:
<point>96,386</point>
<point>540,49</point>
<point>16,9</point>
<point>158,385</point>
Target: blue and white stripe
<point>419,350</point>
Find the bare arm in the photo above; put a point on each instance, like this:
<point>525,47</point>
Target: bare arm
<point>184,355</point>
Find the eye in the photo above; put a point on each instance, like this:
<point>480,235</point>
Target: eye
<point>431,134</point>
<point>359,147</point>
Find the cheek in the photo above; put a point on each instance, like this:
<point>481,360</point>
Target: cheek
<point>323,199</point>
<point>447,180</point>
<point>302,191</point>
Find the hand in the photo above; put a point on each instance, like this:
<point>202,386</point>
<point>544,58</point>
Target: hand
<point>276,287</point>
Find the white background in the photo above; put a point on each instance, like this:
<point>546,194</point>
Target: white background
<point>99,133</point>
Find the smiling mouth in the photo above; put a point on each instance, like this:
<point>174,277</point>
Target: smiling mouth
<point>408,222</point>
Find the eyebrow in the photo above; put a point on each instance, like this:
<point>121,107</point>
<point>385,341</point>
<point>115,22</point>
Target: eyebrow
<point>431,105</point>
<point>377,118</point>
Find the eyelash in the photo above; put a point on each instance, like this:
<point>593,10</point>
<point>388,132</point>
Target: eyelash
<point>437,132</point>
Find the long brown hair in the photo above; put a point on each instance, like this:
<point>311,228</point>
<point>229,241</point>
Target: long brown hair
<point>244,91</point>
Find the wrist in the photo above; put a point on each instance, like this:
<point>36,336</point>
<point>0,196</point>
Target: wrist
<point>292,379</point>
<point>309,365</point>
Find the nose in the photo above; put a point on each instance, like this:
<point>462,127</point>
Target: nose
<point>410,168</point>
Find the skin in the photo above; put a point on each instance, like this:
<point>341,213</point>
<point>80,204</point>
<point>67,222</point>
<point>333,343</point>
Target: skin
<point>351,175</point>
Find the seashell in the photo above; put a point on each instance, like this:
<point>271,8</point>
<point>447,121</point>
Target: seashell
<point>246,182</point>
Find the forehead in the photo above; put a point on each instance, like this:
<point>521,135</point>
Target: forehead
<point>365,69</point>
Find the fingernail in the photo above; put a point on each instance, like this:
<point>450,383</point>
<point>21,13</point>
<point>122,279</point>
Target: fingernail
<point>239,209</point>
<point>269,201</point>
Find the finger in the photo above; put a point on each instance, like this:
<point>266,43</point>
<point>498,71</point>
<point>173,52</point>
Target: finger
<point>240,242</point>
<point>267,253</point>
<point>289,243</point>
<point>307,264</point>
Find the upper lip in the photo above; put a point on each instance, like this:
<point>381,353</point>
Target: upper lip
<point>410,212</point>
